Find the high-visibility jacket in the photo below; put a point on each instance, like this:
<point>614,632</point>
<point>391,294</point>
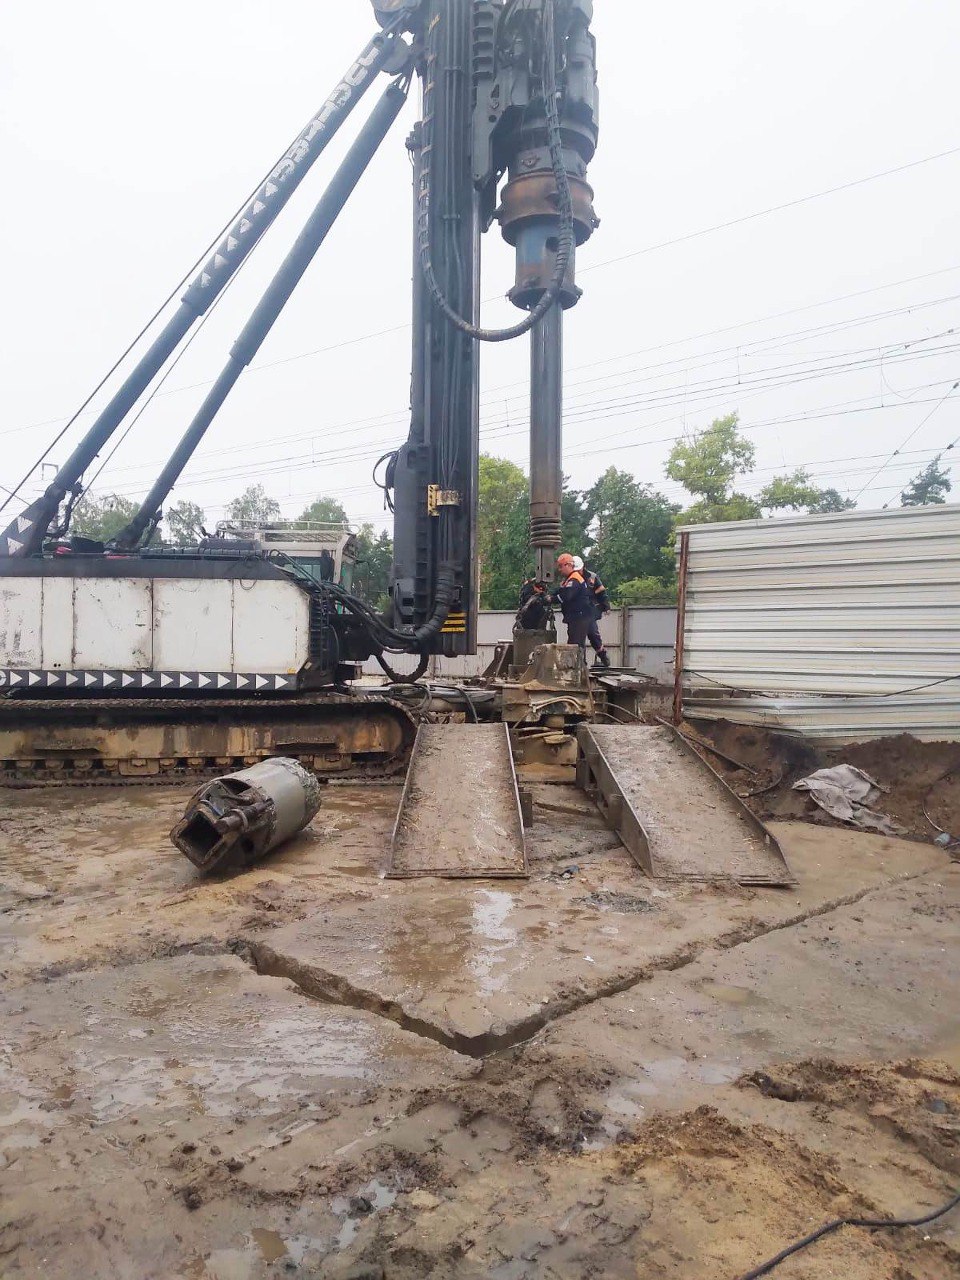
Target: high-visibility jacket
<point>575,598</point>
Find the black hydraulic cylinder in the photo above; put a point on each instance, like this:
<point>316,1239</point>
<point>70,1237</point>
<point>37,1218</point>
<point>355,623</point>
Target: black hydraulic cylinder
<point>546,440</point>
<point>275,297</point>
<point>26,532</point>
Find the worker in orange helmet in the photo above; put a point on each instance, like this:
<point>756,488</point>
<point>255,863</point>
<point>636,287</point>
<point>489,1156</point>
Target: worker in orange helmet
<point>576,602</point>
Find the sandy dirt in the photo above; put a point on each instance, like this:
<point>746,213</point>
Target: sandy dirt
<point>919,781</point>
<point>308,1070</point>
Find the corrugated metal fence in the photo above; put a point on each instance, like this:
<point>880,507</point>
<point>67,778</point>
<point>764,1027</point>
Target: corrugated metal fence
<point>638,637</point>
<point>831,622</point>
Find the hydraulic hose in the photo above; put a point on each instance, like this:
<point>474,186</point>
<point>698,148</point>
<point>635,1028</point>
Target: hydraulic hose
<point>566,237</point>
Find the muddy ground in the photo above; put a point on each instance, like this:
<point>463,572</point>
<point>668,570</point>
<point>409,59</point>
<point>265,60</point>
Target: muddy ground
<point>306,1070</point>
<point>919,781</point>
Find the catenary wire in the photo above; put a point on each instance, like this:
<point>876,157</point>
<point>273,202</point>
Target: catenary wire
<point>917,428</point>
<point>868,358</point>
<point>359,454</point>
<point>776,208</point>
<point>710,333</point>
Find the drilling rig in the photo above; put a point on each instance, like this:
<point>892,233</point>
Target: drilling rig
<point>125,660</point>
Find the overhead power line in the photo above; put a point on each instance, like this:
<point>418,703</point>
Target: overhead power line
<point>593,364</point>
<point>716,227</point>
<point>775,208</point>
<point>943,399</point>
<point>351,453</point>
<point>696,395</point>
<point>578,403</point>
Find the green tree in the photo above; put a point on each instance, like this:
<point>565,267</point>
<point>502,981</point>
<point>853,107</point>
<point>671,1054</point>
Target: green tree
<point>325,511</point>
<point>102,518</point>
<point>737,507</point>
<point>183,523</point>
<point>509,560</point>
<point>829,500</point>
<point>709,464</point>
<point>504,531</point>
<point>929,487</point>
<point>629,524</point>
<point>646,591</point>
<point>254,506</point>
<point>574,521</point>
<point>374,561</point>
<point>502,491</point>
<point>796,492</point>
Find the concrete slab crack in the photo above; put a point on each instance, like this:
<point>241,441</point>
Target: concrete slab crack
<point>321,984</point>
<point>330,988</point>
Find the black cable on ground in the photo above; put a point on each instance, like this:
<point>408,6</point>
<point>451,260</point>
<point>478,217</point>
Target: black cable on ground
<point>829,1227</point>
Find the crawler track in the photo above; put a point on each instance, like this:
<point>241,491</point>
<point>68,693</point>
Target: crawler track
<point>94,741</point>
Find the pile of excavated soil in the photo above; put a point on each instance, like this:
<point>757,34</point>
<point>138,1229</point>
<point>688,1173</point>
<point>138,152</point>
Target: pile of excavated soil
<point>920,780</point>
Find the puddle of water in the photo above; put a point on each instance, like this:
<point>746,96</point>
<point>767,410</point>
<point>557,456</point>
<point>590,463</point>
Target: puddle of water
<point>664,1072</point>
<point>380,1196</point>
<point>622,1105</point>
<point>121,1085</point>
<point>728,993</point>
<point>271,1244</point>
<point>264,1247</point>
<point>348,1233</point>
<point>25,1112</point>
<point>214,1045</point>
<point>719,1072</point>
<point>491,907</point>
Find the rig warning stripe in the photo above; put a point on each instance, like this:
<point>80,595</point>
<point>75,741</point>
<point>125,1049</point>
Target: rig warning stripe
<point>119,681</point>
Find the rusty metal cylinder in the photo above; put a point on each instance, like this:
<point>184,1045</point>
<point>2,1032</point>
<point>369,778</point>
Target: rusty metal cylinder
<point>530,221</point>
<point>233,821</point>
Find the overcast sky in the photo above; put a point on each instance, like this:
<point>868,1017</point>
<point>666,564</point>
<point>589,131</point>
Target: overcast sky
<point>130,132</point>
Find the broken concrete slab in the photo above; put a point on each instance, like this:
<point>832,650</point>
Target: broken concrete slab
<point>482,968</point>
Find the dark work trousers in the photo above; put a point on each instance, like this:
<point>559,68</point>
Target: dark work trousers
<point>578,631</point>
<point>594,636</point>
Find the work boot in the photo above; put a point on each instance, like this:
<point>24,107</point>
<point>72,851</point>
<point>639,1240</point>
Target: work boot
<point>602,659</point>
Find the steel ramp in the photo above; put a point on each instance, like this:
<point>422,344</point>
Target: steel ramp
<point>460,812</point>
<point>676,816</point>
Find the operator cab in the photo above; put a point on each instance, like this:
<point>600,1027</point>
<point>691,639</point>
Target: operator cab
<point>327,552</point>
